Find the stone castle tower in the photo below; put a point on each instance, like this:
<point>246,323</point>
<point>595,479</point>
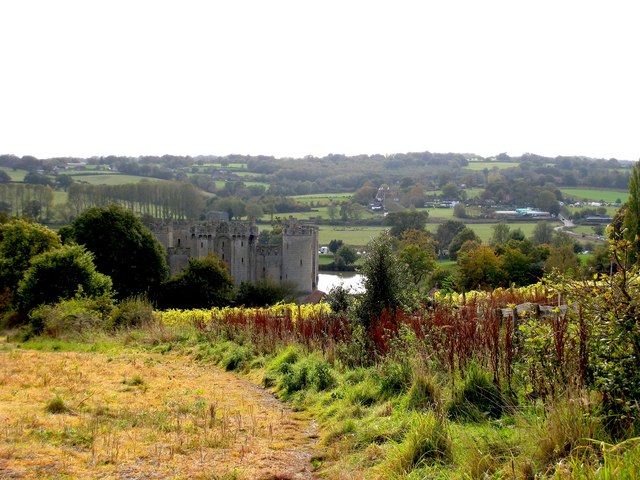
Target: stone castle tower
<point>294,261</point>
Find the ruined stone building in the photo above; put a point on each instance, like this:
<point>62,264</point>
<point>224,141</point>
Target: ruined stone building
<point>294,261</point>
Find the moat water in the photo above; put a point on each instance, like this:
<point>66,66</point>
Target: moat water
<point>326,281</point>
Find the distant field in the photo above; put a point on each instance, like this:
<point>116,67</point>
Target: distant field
<point>358,236</point>
<point>322,198</point>
<point>113,179</point>
<point>473,192</point>
<point>609,196</point>
<point>323,213</point>
<point>59,197</point>
<point>611,211</point>
<point>16,175</point>
<point>491,165</point>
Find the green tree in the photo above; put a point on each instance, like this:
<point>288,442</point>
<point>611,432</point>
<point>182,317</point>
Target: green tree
<point>542,233</point>
<point>347,254</point>
<point>205,283</point>
<point>562,259</point>
<point>405,220</point>
<point>20,241</point>
<point>500,234</point>
<point>418,252</point>
<point>632,214</point>
<point>123,248</point>
<point>385,279</point>
<point>464,235</point>
<point>61,273</point>
<point>445,233</point>
<point>334,245</point>
<point>451,191</point>
<point>479,267</point>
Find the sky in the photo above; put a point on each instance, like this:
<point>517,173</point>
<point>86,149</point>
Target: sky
<point>294,78</point>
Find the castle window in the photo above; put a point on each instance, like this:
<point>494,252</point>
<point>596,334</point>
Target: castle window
<point>178,242</point>
<point>223,256</point>
<point>201,244</point>
<point>242,244</point>
<point>300,262</point>
<point>242,259</point>
<point>222,244</point>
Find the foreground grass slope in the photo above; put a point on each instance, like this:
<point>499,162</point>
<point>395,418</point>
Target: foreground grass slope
<point>131,414</point>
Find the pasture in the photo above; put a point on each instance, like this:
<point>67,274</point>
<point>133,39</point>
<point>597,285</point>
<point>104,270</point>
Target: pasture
<point>479,165</point>
<point>15,175</point>
<point>595,195</point>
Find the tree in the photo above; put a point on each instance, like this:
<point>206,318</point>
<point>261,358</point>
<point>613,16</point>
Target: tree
<point>547,202</point>
<point>4,177</point>
<point>61,273</point>
<point>446,231</point>
<point>464,235</point>
<point>332,210</point>
<point>123,248</point>
<point>479,267</point>
<point>542,233</point>
<point>334,245</point>
<point>385,280</point>
<point>632,214</point>
<point>405,220</point>
<point>205,283</point>
<point>500,234</point>
<point>20,241</point>
<point>347,254</point>
<point>459,210</point>
<point>418,252</point>
<point>450,191</point>
<point>563,259</point>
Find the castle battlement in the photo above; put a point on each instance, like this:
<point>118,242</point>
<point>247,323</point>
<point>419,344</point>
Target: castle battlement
<point>293,261</point>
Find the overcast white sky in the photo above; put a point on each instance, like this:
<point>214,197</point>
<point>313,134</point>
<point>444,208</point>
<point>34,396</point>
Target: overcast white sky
<point>295,78</point>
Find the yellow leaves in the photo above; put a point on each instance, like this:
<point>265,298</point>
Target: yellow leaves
<point>175,318</point>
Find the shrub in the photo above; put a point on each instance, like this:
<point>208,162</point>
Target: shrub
<point>76,315</point>
<point>235,357</point>
<point>132,312</point>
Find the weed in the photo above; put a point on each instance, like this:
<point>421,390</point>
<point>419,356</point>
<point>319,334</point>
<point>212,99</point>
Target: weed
<point>395,377</point>
<point>427,442</point>
<point>56,406</point>
<point>135,381</point>
<point>424,393</point>
<point>477,397</point>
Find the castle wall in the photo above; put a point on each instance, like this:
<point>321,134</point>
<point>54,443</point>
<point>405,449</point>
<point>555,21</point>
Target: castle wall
<point>300,257</point>
<point>295,261</point>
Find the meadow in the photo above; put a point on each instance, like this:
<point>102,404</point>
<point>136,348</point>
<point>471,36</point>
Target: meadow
<point>479,165</point>
<point>596,195</point>
<point>452,390</point>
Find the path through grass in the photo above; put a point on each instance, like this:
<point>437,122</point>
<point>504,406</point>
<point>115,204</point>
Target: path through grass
<point>135,415</point>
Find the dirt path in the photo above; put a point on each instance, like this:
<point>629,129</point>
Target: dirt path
<point>139,416</point>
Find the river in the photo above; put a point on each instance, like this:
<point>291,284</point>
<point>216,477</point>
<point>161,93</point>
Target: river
<point>326,281</point>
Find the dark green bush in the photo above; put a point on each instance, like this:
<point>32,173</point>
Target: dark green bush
<point>132,312</point>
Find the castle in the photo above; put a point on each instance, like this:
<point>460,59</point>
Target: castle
<point>294,261</point>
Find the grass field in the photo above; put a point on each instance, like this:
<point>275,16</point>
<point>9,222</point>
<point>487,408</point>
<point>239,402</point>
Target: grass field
<point>360,236</point>
<point>356,236</point>
<point>113,179</point>
<point>490,165</point>
<point>15,175</point>
<point>322,198</point>
<point>134,415</point>
<point>609,196</point>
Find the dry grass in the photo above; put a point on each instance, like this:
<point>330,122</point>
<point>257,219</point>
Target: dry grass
<point>134,415</point>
